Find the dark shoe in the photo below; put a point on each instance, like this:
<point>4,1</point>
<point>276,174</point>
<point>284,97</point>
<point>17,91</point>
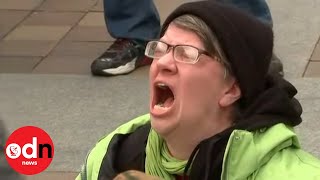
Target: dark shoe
<point>276,66</point>
<point>122,57</point>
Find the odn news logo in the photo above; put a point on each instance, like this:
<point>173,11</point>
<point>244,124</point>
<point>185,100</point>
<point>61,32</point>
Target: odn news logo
<point>29,150</point>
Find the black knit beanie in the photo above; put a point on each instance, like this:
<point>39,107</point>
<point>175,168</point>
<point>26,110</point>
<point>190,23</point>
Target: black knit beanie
<point>246,42</point>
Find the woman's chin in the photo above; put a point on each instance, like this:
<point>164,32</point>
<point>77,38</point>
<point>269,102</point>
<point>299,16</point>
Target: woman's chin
<point>162,127</point>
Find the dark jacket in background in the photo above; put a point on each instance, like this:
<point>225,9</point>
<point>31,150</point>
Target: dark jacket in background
<point>6,172</point>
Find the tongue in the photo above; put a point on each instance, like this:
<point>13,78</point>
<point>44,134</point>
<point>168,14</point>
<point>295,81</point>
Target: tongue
<point>168,102</point>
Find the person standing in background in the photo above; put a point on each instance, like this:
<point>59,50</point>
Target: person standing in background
<point>133,23</point>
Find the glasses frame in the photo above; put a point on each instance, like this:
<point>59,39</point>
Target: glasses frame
<point>173,47</point>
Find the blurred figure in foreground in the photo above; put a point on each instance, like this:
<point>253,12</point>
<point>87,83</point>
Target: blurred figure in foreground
<point>6,172</point>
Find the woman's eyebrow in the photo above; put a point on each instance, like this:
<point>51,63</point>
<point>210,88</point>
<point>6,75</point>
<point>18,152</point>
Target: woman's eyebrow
<point>162,40</point>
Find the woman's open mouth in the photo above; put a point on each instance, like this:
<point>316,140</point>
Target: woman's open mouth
<point>163,98</point>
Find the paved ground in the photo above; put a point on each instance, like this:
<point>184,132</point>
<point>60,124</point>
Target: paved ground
<point>46,47</point>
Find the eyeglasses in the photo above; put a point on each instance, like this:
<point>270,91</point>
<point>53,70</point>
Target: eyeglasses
<point>181,53</point>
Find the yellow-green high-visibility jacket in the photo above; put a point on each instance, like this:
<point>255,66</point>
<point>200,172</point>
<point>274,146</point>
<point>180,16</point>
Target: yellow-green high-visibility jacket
<point>272,153</point>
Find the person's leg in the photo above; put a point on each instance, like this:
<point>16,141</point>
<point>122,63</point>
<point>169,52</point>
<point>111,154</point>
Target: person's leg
<point>131,23</point>
<point>260,9</point>
<point>132,19</point>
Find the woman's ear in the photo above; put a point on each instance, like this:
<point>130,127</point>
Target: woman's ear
<point>231,95</point>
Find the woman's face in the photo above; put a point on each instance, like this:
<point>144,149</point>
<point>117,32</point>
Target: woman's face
<point>185,97</point>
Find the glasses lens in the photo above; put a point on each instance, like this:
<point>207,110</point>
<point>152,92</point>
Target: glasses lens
<point>156,49</point>
<point>185,54</point>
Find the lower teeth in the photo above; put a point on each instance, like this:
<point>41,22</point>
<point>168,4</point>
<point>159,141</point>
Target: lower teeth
<point>160,106</point>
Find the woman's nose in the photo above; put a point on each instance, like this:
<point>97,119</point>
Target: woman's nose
<point>167,63</point>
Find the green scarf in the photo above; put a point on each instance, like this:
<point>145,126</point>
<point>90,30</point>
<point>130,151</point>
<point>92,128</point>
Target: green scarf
<point>159,162</point>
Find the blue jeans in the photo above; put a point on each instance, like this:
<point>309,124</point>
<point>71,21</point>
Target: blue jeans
<point>257,8</point>
<point>139,19</point>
